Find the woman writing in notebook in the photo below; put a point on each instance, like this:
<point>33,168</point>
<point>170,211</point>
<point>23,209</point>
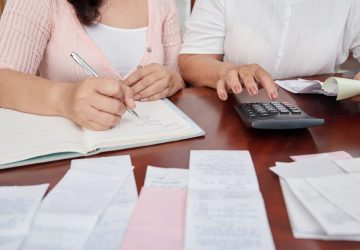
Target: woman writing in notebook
<point>135,42</point>
<point>236,44</point>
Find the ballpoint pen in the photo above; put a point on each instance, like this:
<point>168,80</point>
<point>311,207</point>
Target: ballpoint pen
<point>93,73</point>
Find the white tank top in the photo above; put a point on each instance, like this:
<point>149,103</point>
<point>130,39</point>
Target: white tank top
<point>124,48</point>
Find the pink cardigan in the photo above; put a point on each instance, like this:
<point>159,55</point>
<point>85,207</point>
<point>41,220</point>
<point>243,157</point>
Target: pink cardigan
<point>39,35</point>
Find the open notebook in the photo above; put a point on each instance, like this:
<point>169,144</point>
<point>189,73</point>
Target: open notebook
<point>28,139</point>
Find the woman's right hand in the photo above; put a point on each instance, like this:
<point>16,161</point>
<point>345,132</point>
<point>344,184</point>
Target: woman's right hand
<point>250,76</point>
<point>96,103</point>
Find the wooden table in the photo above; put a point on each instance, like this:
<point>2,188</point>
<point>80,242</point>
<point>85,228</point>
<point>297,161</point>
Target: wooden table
<point>225,131</point>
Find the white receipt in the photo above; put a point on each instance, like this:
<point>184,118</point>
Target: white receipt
<point>166,177</point>
<point>18,205</point>
<point>225,209</point>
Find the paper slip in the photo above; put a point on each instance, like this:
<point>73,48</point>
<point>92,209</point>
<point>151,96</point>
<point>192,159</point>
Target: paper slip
<point>110,229</point>
<point>302,86</point>
<point>350,165</point>
<point>222,170</point>
<point>341,190</point>
<point>18,205</point>
<point>226,220</point>
<point>312,167</point>
<point>123,160</point>
<point>313,216</point>
<point>225,209</point>
<point>344,88</point>
<point>166,177</point>
<point>160,213</point>
<point>332,219</point>
<point>70,212</point>
<point>337,155</point>
<point>303,224</point>
<point>158,220</point>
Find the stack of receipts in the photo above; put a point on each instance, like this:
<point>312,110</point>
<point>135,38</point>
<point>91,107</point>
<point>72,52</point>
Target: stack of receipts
<point>334,86</point>
<point>322,196</point>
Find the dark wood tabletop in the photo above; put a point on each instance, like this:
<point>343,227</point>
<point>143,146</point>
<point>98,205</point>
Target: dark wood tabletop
<point>225,131</point>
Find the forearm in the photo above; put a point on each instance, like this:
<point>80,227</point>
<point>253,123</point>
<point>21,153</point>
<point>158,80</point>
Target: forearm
<point>203,70</point>
<point>31,94</point>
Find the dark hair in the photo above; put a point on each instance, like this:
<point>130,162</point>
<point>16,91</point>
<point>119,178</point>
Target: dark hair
<point>87,10</point>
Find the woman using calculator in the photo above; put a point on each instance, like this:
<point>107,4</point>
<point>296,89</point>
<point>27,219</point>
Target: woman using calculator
<point>135,42</point>
<point>231,44</point>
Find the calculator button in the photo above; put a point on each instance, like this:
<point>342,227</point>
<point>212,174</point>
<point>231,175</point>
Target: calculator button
<point>296,111</point>
<point>283,111</point>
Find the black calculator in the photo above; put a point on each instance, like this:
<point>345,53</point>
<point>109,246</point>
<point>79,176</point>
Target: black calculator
<point>275,115</point>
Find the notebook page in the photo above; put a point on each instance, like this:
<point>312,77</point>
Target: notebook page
<point>157,120</point>
<point>25,136</point>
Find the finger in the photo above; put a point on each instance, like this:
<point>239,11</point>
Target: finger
<point>108,104</point>
<point>233,81</point>
<point>357,77</point>
<point>139,74</point>
<point>145,83</point>
<point>108,87</point>
<point>95,126</point>
<point>153,89</point>
<point>161,95</point>
<point>247,77</point>
<point>105,119</point>
<point>128,97</point>
<point>221,90</point>
<point>267,83</point>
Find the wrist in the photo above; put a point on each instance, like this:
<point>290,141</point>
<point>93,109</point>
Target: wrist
<point>177,80</point>
<point>60,96</point>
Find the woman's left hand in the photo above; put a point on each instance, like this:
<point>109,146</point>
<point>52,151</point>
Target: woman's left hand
<point>153,82</point>
<point>356,98</point>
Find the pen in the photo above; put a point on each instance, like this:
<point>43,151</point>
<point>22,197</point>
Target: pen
<point>92,72</point>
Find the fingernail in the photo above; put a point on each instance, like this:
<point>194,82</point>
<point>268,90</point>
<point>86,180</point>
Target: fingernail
<point>253,90</point>
<point>137,97</point>
<point>130,103</point>
<point>237,90</point>
<point>144,99</point>
<point>274,95</point>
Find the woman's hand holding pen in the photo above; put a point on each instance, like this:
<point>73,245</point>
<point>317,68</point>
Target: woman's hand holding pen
<point>96,103</point>
<point>153,82</point>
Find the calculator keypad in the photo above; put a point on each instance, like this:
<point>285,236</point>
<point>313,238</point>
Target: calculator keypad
<point>275,115</point>
<point>259,110</point>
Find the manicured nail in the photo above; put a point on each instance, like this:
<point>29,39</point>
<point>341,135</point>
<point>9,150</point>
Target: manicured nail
<point>274,95</point>
<point>253,90</point>
<point>131,103</point>
<point>237,89</point>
